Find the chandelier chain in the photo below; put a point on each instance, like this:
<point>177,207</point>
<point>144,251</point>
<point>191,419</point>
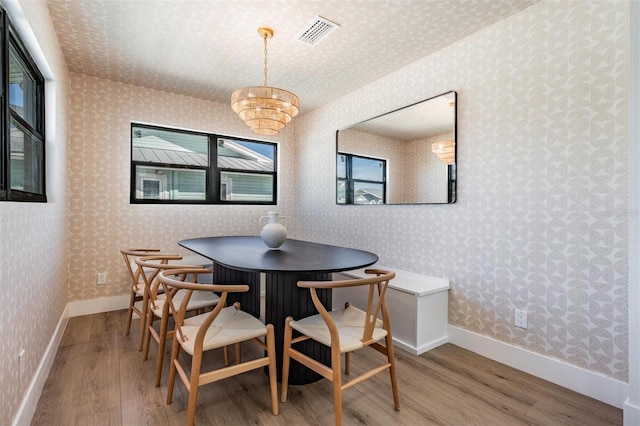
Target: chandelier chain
<point>265,59</point>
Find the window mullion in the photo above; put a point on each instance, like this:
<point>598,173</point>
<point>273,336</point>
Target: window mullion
<point>213,191</point>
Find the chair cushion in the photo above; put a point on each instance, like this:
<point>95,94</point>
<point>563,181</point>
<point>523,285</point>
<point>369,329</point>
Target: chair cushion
<point>199,299</point>
<point>350,324</point>
<point>354,317</point>
<point>229,327</point>
<point>139,289</point>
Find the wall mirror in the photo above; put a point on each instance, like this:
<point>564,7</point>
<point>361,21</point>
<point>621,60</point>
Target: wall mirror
<point>406,156</point>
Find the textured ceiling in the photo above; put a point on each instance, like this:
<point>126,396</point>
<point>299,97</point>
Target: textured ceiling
<point>208,48</point>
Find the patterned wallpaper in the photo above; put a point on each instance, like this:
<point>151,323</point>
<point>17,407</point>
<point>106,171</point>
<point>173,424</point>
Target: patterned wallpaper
<point>101,220</point>
<point>541,218</point>
<point>33,241</point>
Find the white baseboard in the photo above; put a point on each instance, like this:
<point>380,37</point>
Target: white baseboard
<point>419,350</point>
<point>631,414</point>
<point>96,306</point>
<point>32,396</point>
<point>594,385</point>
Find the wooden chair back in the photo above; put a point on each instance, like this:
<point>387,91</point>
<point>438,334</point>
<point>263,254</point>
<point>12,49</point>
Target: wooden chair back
<point>150,266</point>
<point>376,301</point>
<point>129,255</point>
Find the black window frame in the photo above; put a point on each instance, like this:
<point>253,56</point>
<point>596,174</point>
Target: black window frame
<point>10,38</point>
<point>350,181</point>
<point>213,171</point>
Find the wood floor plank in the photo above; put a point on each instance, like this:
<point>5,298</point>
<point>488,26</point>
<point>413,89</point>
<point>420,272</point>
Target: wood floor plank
<point>142,403</point>
<point>101,382</point>
<point>98,373</point>
<point>78,330</point>
<point>553,411</point>
<point>105,322</point>
<point>487,395</point>
<point>520,386</point>
<point>63,387</point>
<point>421,396</point>
<point>313,401</point>
<point>108,417</point>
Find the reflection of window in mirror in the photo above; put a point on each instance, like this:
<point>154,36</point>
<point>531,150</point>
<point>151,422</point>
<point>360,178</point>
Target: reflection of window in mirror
<point>418,143</point>
<point>360,180</point>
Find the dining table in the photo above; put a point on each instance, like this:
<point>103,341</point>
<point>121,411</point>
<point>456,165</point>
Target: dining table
<point>242,260</point>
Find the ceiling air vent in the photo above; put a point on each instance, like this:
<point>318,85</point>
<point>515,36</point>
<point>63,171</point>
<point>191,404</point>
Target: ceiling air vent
<point>316,31</point>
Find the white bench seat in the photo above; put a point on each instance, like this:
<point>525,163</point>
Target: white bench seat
<point>418,305</point>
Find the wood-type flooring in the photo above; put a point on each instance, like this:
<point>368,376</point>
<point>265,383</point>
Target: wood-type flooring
<point>98,378</point>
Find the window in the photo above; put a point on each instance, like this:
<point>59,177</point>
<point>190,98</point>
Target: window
<point>361,180</point>
<point>181,167</point>
<point>22,159</point>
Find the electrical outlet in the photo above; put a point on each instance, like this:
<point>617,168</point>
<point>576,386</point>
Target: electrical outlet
<point>521,319</point>
<point>102,278</point>
<point>22,358</point>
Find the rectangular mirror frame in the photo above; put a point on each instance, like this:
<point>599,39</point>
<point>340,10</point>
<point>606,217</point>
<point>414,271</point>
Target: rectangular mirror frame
<point>415,145</point>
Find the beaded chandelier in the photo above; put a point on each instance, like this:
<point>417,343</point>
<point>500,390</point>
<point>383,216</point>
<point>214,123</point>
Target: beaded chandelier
<point>265,109</point>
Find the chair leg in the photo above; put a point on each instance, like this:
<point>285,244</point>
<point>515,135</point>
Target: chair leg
<point>392,372</point>
<point>147,335</point>
<point>238,354</point>
<point>175,353</point>
<point>132,300</point>
<point>143,320</point>
<point>273,379</point>
<point>196,363</point>
<point>347,355</point>
<point>286,359</point>
<point>226,355</point>
<point>164,325</point>
<point>337,383</point>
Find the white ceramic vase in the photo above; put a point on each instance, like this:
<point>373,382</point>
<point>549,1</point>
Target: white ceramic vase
<point>273,231</point>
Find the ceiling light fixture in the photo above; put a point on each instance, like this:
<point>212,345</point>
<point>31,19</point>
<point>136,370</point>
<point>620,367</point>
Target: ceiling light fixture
<point>266,110</point>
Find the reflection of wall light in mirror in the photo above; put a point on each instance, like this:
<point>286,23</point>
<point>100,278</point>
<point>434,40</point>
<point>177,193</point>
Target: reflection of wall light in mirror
<point>446,150</point>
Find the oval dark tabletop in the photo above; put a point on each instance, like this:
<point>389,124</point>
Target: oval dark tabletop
<point>249,253</point>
